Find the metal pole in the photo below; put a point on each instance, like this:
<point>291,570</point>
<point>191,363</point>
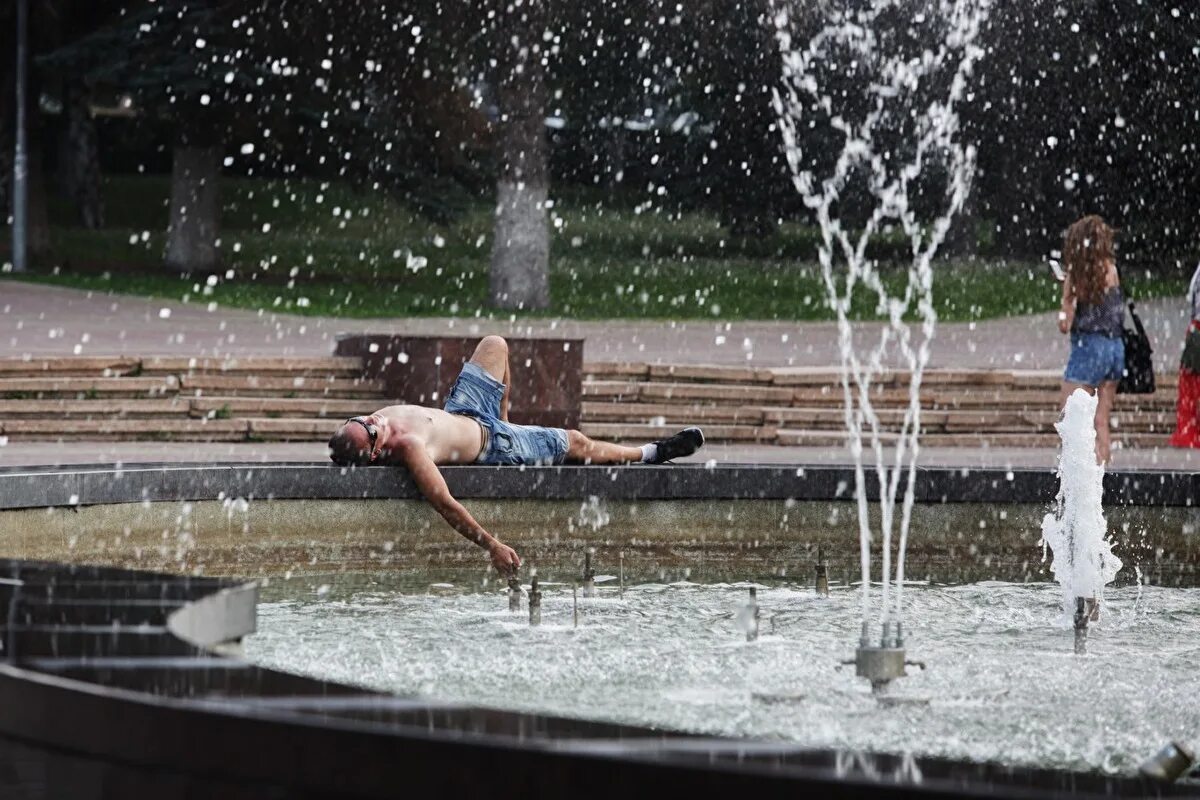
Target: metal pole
<point>20,196</point>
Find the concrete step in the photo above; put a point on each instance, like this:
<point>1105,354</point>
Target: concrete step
<point>671,413</point>
<point>709,374</point>
<point>331,367</point>
<point>816,377</point>
<point>611,390</point>
<point>291,430</point>
<point>965,421</point>
<point>715,393</point>
<point>217,430</point>
<point>85,388</point>
<point>615,370</point>
<point>287,387</point>
<point>832,438</point>
<point>68,366</point>
<point>52,410</point>
<point>289,407</point>
<point>626,432</point>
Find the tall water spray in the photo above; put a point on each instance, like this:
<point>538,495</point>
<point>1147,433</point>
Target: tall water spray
<point>1076,530</point>
<point>873,89</point>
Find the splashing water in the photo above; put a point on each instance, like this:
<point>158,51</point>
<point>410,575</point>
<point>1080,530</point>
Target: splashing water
<point>593,515</point>
<point>911,101</point>
<point>1076,530</point>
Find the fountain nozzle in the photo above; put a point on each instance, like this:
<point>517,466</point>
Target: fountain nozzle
<point>884,663</point>
<point>589,574</point>
<point>535,601</point>
<point>1082,613</point>
<point>1167,765</point>
<point>822,573</point>
<point>752,616</point>
<point>514,593</point>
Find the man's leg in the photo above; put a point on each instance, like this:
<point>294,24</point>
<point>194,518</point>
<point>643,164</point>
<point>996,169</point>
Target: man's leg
<point>582,450</point>
<point>492,354</point>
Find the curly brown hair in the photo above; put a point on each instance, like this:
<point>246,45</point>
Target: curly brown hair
<point>1087,251</point>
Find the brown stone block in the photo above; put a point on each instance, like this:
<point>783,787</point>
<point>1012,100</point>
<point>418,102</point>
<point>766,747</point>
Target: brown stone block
<point>546,374</point>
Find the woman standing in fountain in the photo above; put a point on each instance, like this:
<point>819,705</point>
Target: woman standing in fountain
<point>1187,409</point>
<point>1093,312</point>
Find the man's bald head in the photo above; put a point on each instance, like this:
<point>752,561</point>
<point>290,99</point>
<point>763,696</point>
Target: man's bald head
<point>350,445</point>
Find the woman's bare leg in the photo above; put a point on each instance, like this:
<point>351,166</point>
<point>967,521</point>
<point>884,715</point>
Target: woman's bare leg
<point>582,450</point>
<point>1107,395</point>
<point>1068,388</point>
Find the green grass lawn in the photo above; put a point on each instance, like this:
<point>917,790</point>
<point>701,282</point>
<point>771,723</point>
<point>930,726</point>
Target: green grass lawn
<point>311,248</point>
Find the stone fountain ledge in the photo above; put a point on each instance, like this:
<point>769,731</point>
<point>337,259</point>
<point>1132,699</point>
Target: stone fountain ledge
<point>97,484</point>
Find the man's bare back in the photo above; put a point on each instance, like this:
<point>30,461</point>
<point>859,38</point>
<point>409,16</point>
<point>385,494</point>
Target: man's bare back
<point>475,428</point>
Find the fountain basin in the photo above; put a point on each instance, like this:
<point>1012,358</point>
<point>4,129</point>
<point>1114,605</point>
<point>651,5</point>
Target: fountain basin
<point>750,524</point>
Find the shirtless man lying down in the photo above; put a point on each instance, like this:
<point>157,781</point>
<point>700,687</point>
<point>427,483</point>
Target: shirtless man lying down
<point>474,429</point>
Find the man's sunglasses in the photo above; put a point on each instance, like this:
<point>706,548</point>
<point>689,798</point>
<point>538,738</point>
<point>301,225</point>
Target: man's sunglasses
<point>371,430</point>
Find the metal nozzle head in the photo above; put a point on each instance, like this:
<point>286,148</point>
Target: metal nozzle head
<point>1167,765</point>
<point>1081,613</point>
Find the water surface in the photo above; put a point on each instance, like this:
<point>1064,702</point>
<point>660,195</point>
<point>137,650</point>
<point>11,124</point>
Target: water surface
<point>1002,681</point>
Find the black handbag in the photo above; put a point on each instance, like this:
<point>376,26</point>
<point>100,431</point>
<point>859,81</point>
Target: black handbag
<point>1139,366</point>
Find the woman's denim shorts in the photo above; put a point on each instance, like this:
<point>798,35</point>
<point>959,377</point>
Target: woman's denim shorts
<point>477,394</point>
<point>1095,358</point>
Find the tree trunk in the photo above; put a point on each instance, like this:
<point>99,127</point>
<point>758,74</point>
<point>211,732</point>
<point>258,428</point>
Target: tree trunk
<point>8,125</point>
<point>37,235</point>
<point>80,164</point>
<point>962,237</point>
<point>195,210</point>
<point>520,269</point>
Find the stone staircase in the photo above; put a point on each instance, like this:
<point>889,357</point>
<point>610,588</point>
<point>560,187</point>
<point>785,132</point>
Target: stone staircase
<point>803,405</point>
<point>181,399</point>
<point>302,399</point>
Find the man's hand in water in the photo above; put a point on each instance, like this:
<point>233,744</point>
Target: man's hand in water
<point>505,559</point>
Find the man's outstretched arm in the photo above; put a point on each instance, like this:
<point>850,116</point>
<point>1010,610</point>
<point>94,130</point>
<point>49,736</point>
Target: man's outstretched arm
<point>433,486</point>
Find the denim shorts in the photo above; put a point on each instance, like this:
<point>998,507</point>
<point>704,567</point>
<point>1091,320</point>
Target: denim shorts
<point>477,394</point>
<point>1095,358</point>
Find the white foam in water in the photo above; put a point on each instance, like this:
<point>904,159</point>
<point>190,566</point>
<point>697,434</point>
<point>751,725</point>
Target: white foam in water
<point>913,96</point>
<point>1076,531</point>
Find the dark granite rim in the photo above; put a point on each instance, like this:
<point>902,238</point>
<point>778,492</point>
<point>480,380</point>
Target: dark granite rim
<point>95,484</point>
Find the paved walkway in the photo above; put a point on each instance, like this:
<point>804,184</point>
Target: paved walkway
<point>45,320</point>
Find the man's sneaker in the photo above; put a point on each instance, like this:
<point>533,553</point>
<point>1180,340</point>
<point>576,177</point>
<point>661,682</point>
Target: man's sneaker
<point>684,443</point>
